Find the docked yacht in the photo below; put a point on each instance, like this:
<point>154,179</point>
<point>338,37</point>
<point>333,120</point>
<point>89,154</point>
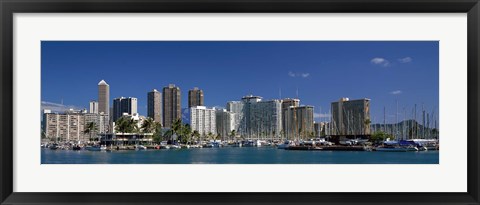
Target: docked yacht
<point>395,146</point>
<point>140,147</point>
<point>96,148</point>
<point>285,144</point>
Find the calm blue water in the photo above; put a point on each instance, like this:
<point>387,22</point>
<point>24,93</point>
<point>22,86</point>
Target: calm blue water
<point>235,155</point>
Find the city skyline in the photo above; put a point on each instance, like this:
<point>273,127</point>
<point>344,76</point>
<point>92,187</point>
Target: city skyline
<point>407,74</point>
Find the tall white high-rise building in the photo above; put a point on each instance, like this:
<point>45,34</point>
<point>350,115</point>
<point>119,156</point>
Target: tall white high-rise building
<point>225,122</point>
<point>203,120</point>
<point>263,118</point>
<point>255,118</point>
<point>237,110</point>
<point>93,107</point>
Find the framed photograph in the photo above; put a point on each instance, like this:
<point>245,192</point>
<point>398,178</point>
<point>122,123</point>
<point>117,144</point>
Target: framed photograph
<point>245,102</point>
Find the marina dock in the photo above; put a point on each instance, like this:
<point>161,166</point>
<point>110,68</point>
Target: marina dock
<point>328,148</point>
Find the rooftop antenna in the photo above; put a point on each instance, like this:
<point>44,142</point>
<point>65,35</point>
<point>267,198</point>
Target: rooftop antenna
<point>297,92</point>
<point>321,118</point>
<point>280,92</point>
<point>61,102</point>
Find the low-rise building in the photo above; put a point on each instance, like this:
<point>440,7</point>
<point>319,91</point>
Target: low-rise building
<point>72,125</point>
<point>64,127</point>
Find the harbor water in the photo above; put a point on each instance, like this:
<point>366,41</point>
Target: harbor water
<point>236,155</point>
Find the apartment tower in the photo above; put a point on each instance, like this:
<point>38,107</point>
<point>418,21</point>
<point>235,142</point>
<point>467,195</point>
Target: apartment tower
<point>154,105</point>
<point>124,105</point>
<point>103,97</point>
<point>171,105</point>
<point>195,97</point>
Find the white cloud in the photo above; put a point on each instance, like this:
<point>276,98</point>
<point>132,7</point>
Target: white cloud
<point>321,115</point>
<point>405,60</point>
<point>293,75</point>
<point>396,92</point>
<point>380,61</point>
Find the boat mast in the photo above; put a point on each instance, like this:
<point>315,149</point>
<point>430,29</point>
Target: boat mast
<point>384,122</point>
<point>404,134</point>
<point>423,122</point>
<point>416,124</point>
<point>396,122</point>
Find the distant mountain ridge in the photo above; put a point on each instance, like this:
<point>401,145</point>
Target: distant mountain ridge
<point>407,127</point>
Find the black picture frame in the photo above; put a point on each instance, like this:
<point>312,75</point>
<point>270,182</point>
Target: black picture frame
<point>9,7</point>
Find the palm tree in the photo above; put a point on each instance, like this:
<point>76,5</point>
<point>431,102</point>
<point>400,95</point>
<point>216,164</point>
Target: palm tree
<point>137,129</point>
<point>168,134</point>
<point>120,124</point>
<point>187,133</point>
<point>148,125</point>
<point>196,134</point>
<point>90,128</point>
<point>43,134</point>
<point>210,136</point>
<point>177,127</point>
<point>232,134</point>
<point>125,125</point>
<point>157,135</point>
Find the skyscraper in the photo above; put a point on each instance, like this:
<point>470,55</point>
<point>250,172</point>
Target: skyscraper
<point>103,97</point>
<point>171,105</point>
<point>224,122</point>
<point>195,97</point>
<point>262,118</point>
<point>154,105</point>
<point>124,105</point>
<point>351,117</point>
<point>93,107</point>
<point>286,103</point>
<point>299,122</point>
<point>239,120</point>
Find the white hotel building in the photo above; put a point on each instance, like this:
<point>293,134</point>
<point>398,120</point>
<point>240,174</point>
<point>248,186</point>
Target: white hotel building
<point>225,122</point>
<point>254,118</point>
<point>203,120</point>
<point>238,119</point>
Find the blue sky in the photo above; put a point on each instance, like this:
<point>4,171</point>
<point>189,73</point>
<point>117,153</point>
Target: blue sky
<point>322,71</point>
